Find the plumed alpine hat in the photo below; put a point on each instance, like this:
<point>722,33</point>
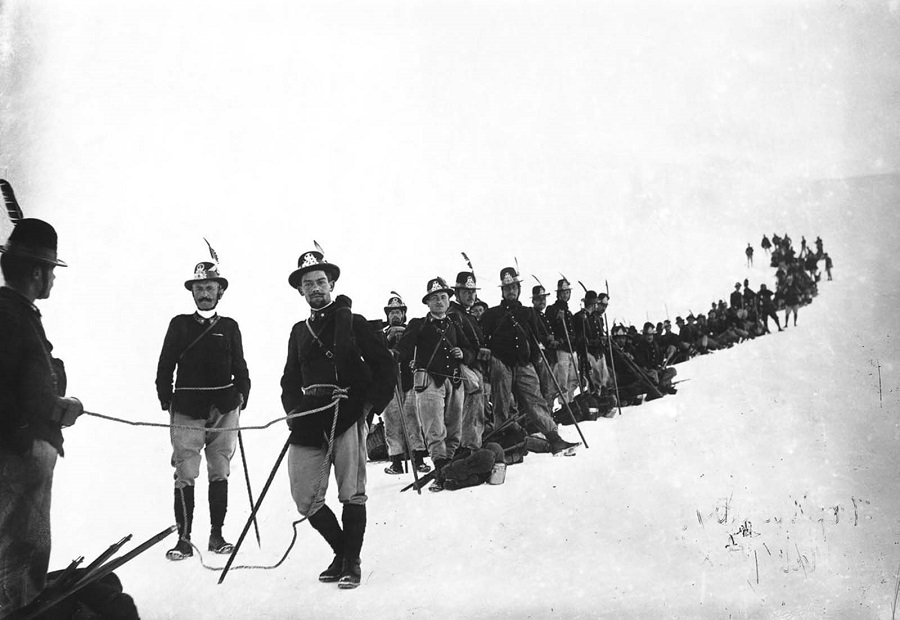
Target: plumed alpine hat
<point>311,261</point>
<point>508,275</point>
<point>563,285</point>
<point>538,291</point>
<point>33,239</point>
<point>394,303</point>
<point>206,271</point>
<point>589,297</point>
<point>437,285</point>
<point>466,280</point>
<point>481,303</point>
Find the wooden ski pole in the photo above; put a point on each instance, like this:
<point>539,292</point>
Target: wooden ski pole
<point>259,501</point>
<point>407,441</point>
<point>612,362</point>
<point>249,490</point>
<point>563,395</point>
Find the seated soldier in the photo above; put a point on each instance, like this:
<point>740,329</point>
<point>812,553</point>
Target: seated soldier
<point>649,358</point>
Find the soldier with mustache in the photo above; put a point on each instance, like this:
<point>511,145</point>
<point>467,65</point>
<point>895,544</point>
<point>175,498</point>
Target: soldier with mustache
<point>211,389</point>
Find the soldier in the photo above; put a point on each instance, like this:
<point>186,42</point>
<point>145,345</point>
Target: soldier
<point>33,411</point>
<point>473,378</point>
<point>766,244</point>
<point>510,332</point>
<point>561,322</point>
<point>477,310</point>
<point>211,389</point>
<point>395,311</point>
<point>436,345</point>
<point>589,339</point>
<point>544,367</point>
<point>829,264</point>
<point>648,356</point>
<point>339,369</point>
<point>749,253</point>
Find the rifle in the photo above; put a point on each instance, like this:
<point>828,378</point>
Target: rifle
<point>632,365</point>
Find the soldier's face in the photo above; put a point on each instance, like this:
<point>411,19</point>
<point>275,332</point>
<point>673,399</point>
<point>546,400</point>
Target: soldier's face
<point>206,294</point>
<point>395,317</point>
<point>564,295</point>
<point>465,297</point>
<point>316,289</point>
<point>539,303</point>
<point>438,303</point>
<point>511,292</point>
<point>48,277</point>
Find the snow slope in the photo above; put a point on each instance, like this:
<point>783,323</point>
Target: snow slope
<point>787,436</point>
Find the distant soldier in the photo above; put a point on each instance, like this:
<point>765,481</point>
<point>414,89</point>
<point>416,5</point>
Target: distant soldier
<point>767,307</point>
<point>436,345</point>
<point>510,332</point>
<point>544,366</point>
<point>473,378</point>
<point>828,264</point>
<point>561,323</point>
<point>590,341</point>
<point>395,312</point>
<point>736,299</point>
<point>766,244</point>
<point>647,355</point>
<point>211,389</point>
<point>819,246</point>
<point>749,253</point>
<point>791,299</point>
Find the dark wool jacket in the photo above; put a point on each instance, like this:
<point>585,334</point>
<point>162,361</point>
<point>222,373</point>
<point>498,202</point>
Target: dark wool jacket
<point>543,334</point>
<point>589,332</point>
<point>214,361</point>
<point>561,323</point>
<point>510,330</point>
<point>31,379</point>
<point>345,351</point>
<point>431,340</point>
<point>470,328</point>
<point>392,335</point>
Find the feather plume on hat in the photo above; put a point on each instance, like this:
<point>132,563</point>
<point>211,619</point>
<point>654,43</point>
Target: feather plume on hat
<point>9,199</point>
<point>318,247</point>
<point>212,252</point>
<point>468,262</point>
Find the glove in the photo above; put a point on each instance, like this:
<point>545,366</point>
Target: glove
<point>67,411</point>
<point>165,406</point>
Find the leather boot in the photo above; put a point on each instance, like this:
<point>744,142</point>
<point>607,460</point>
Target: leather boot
<point>184,516</point>
<point>558,445</point>
<point>354,518</point>
<point>218,506</point>
<point>327,525</point>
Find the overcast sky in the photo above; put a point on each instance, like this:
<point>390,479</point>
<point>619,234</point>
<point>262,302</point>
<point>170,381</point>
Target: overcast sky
<point>639,143</point>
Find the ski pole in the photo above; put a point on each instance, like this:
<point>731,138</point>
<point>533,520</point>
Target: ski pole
<point>612,362</point>
<point>406,439</point>
<point>259,501</point>
<point>98,573</point>
<point>249,490</point>
<point>564,396</point>
<point>110,551</point>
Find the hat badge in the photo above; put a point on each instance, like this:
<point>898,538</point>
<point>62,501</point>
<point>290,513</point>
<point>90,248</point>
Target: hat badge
<point>200,272</point>
<point>470,282</point>
<point>309,259</point>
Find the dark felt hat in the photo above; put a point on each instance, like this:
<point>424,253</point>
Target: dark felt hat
<point>466,280</point>
<point>563,285</point>
<point>437,285</point>
<point>206,271</point>
<point>589,297</point>
<point>33,239</point>
<point>509,275</point>
<point>538,291</point>
<point>395,303</point>
<point>312,261</point>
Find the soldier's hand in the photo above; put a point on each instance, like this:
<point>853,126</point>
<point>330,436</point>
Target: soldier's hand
<point>164,405</point>
<point>67,411</point>
<point>456,352</point>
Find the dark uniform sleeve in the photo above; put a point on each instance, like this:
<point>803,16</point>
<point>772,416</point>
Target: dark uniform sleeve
<point>165,369</point>
<point>407,343</point>
<point>292,378</point>
<point>380,362</point>
<point>239,366</point>
<point>462,341</point>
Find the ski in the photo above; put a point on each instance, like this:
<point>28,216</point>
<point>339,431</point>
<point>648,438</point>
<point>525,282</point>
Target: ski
<point>100,571</point>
